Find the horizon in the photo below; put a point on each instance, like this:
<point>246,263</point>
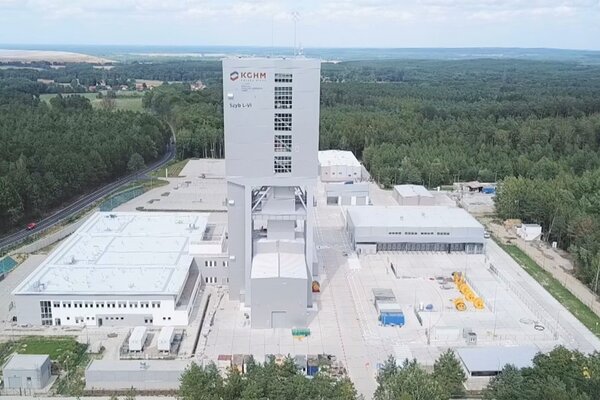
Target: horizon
<point>553,24</point>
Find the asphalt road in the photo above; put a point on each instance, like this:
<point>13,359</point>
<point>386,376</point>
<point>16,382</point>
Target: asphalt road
<point>83,202</point>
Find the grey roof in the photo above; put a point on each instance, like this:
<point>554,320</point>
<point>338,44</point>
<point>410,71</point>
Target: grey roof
<point>135,365</point>
<point>412,191</point>
<point>26,361</point>
<point>495,358</point>
<point>412,217</point>
<point>383,294</point>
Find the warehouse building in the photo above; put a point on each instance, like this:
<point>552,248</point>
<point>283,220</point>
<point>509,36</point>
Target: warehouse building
<point>125,269</point>
<point>27,371</point>
<point>413,228</point>
<point>413,195</point>
<point>156,375</point>
<point>343,193</point>
<point>490,360</point>
<point>271,123</point>
<point>339,166</point>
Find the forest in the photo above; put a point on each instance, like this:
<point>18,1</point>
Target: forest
<point>51,153</point>
<point>526,124</point>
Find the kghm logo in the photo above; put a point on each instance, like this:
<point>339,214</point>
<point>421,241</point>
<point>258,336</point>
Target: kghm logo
<point>253,75</point>
<point>234,76</point>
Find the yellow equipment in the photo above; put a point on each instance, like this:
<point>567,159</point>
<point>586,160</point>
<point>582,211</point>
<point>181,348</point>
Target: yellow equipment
<point>459,304</point>
<point>468,293</point>
<point>478,303</point>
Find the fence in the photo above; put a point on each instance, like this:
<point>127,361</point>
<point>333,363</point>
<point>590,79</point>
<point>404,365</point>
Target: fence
<point>572,284</point>
<point>120,198</point>
<point>50,239</point>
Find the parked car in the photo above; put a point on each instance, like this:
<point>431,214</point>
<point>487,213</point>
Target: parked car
<point>486,235</point>
<point>31,226</point>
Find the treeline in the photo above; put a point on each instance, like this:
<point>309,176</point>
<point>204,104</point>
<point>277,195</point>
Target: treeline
<point>53,153</point>
<point>568,208</point>
<point>262,381</point>
<point>196,117</point>
<point>75,78</point>
<point>558,375</point>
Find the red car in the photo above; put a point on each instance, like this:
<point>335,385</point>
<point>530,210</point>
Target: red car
<point>31,226</point>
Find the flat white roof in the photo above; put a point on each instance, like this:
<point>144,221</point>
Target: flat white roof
<point>328,158</point>
<point>279,264</point>
<point>26,361</point>
<point>121,253</point>
<point>492,359</point>
<point>412,216</point>
<point>412,191</point>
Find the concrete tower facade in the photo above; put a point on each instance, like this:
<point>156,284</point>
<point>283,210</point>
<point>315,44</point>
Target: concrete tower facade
<point>271,112</point>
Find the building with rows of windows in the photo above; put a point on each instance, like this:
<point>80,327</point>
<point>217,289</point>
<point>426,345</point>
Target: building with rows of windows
<point>271,113</point>
<point>414,228</point>
<point>122,268</point>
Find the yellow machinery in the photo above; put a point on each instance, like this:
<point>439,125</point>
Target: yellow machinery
<point>459,304</point>
<point>470,296</point>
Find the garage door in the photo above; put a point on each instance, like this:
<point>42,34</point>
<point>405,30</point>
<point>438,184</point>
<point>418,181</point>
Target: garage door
<point>279,319</point>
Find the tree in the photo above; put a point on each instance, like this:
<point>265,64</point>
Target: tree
<point>508,385</point>
<point>136,163</point>
<point>130,394</point>
<point>409,381</point>
<point>450,375</point>
<point>201,383</point>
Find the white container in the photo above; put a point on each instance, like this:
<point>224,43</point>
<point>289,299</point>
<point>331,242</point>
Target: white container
<point>137,339</point>
<point>165,338</point>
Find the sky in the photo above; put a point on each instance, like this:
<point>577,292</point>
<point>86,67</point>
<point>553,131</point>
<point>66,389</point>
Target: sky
<point>568,24</point>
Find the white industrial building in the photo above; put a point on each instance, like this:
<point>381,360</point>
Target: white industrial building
<point>529,232</point>
<point>128,269</point>
<point>413,195</point>
<point>413,228</point>
<point>271,115</point>
<point>339,166</point>
<point>347,194</point>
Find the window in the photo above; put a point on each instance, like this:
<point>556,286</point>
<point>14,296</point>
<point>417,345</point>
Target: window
<point>283,97</point>
<point>56,304</point>
<point>282,164</point>
<point>111,304</point>
<point>156,304</point>
<point>77,304</point>
<point>282,143</point>
<point>283,122</point>
<point>46,312</point>
<point>122,304</point>
<point>283,78</point>
<point>144,304</point>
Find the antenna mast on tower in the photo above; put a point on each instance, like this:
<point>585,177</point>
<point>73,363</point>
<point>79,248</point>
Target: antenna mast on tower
<point>296,17</point>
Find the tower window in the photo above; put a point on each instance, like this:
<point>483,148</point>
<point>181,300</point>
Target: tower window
<point>283,78</point>
<point>283,143</point>
<point>283,122</point>
<point>282,164</point>
<point>283,97</point>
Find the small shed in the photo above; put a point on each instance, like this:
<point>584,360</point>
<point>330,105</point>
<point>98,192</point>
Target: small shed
<point>413,195</point>
<point>529,232</point>
<point>27,371</point>
<point>489,361</point>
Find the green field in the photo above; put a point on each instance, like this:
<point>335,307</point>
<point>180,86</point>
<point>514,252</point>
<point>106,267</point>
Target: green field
<point>174,168</point>
<point>555,288</point>
<point>64,351</point>
<point>123,102</point>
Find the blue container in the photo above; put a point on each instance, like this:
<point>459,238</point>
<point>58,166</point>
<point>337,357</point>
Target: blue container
<point>396,319</point>
<point>489,190</point>
<point>312,370</point>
